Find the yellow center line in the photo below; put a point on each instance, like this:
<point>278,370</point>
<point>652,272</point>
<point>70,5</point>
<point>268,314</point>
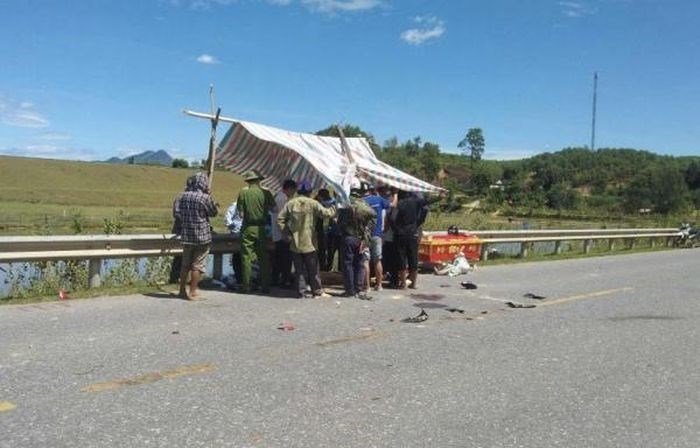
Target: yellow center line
<point>6,406</point>
<point>591,295</point>
<point>149,377</point>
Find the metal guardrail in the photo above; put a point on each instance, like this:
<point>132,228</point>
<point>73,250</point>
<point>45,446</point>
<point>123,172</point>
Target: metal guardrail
<point>96,248</point>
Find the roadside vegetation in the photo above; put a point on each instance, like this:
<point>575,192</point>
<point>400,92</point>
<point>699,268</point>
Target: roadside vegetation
<point>572,188</point>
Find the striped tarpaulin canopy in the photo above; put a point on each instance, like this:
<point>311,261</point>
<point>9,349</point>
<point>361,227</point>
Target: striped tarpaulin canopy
<point>323,161</point>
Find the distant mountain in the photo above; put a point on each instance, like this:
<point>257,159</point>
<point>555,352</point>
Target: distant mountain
<point>160,157</point>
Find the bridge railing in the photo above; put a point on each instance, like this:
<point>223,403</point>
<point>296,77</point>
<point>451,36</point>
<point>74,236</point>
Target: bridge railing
<point>96,248</point>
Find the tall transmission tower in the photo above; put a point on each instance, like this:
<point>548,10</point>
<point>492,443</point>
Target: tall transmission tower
<point>595,104</point>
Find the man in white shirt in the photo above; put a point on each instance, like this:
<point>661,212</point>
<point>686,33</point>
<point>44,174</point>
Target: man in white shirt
<point>232,220</point>
<point>282,261</point>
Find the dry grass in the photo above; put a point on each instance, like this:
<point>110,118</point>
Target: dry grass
<point>39,193</point>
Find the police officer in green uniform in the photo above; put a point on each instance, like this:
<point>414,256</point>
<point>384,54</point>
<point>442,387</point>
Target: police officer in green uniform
<point>254,205</point>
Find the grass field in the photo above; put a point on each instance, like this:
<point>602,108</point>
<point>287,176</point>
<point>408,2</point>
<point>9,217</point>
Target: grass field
<point>46,196</point>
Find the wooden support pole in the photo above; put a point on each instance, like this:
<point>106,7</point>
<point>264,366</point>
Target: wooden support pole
<point>94,272</point>
<point>218,266</point>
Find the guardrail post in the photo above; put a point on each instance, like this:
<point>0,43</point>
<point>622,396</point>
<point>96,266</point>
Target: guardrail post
<point>611,244</point>
<point>218,266</point>
<point>669,241</point>
<point>524,250</point>
<point>94,271</point>
<point>558,248</point>
<point>484,252</point>
<point>633,243</point>
<point>652,242</point>
<point>587,244</point>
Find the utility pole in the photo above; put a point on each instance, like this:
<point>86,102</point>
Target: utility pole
<point>595,101</point>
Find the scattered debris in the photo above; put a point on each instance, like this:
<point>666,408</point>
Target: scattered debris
<point>63,294</point>
<point>422,317</point>
<point>285,326</point>
<point>445,286</point>
<point>455,310</point>
<point>485,312</point>
<point>519,305</point>
<point>534,296</point>
<point>468,285</point>
<point>429,297</point>
<point>175,332</point>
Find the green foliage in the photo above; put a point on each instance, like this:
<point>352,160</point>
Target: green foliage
<point>349,131</point>
<point>114,226</point>
<point>562,196</point>
<point>473,143</point>
<point>180,163</point>
<point>157,270</point>
<point>45,278</point>
<point>123,273</point>
<point>78,223</point>
<point>660,188</point>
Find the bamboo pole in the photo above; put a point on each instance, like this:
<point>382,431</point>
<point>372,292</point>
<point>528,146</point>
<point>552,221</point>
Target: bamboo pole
<point>211,160</point>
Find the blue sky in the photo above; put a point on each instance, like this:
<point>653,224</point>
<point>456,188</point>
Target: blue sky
<point>91,79</point>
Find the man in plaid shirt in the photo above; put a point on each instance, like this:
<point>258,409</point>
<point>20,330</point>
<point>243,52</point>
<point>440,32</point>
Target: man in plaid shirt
<point>193,208</point>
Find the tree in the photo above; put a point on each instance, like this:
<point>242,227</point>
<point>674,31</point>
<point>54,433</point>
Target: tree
<point>350,131</point>
<point>474,143</point>
<point>660,187</point>
<point>180,163</point>
<point>562,196</point>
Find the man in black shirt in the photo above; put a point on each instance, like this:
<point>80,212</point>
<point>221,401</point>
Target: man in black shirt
<point>411,212</point>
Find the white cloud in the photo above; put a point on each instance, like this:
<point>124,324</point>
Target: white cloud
<point>429,27</point>
<point>576,9</point>
<point>50,152</point>
<point>323,6</point>
<point>207,59</point>
<point>53,136</point>
<point>20,114</point>
<point>335,6</point>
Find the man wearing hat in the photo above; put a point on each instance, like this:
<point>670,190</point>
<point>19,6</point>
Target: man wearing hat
<point>254,205</point>
<point>297,220</point>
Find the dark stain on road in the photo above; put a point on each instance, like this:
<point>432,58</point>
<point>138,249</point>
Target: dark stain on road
<point>429,305</point>
<point>428,297</point>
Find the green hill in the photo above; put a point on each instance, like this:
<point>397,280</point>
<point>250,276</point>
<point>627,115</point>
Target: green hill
<point>54,196</point>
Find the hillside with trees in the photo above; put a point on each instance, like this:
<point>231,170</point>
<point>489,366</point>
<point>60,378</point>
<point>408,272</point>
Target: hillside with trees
<point>601,181</point>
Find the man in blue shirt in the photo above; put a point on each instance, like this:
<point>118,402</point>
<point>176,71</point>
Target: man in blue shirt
<point>380,207</point>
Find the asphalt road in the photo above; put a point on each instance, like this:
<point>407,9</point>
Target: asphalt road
<point>609,359</point>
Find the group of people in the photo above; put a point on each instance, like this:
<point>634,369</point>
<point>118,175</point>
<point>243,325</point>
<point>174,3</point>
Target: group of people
<point>378,230</point>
